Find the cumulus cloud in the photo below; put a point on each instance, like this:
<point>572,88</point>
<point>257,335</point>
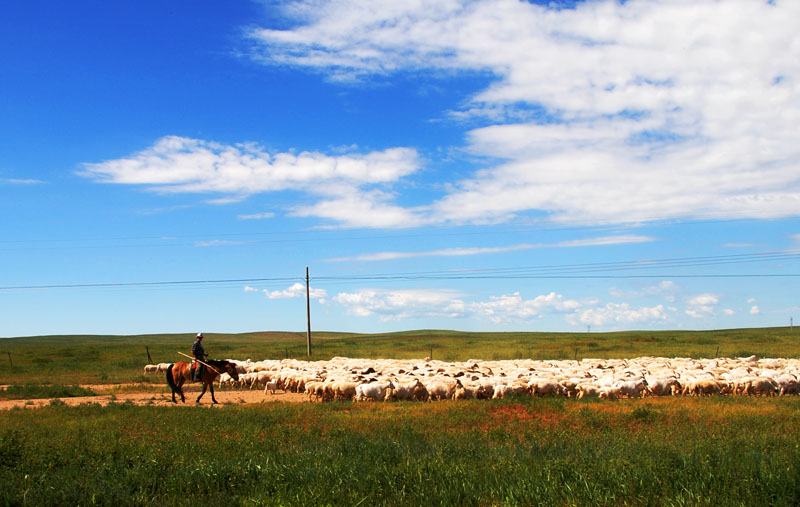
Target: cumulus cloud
<point>296,290</point>
<point>608,112</point>
<point>345,186</point>
<point>701,305</point>
<point>513,307</point>
<point>619,313</point>
<point>754,310</point>
<point>402,304</point>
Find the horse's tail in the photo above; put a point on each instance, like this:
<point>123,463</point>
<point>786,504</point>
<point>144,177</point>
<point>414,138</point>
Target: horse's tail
<point>170,380</point>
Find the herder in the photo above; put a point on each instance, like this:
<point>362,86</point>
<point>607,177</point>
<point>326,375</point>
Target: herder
<point>199,355</point>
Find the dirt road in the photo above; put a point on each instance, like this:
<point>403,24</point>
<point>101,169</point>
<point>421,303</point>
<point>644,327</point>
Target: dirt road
<point>162,398</point>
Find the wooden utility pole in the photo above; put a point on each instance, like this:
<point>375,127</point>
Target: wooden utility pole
<point>308,313</point>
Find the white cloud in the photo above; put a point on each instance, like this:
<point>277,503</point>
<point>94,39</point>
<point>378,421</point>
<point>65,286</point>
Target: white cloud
<point>655,109</point>
<point>256,216</point>
<point>419,303</point>
<point>666,289</point>
<point>344,185</point>
<point>402,304</point>
<point>751,300</point>
<point>247,288</point>
<point>754,310</point>
<point>356,208</point>
<point>619,313</point>
<point>466,251</point>
<point>704,300</point>
<point>513,307</point>
<point>180,164</point>
<point>728,312</point>
<point>296,290</point>
<point>701,306</point>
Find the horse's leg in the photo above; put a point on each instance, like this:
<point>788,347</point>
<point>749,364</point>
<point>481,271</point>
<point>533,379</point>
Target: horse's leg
<point>172,388</point>
<point>179,385</point>
<point>211,385</point>
<point>205,386</point>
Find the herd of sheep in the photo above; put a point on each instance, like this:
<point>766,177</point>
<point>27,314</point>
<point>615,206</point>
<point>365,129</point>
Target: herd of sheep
<point>427,380</point>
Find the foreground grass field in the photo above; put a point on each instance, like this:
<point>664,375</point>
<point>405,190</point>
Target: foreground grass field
<point>102,359</point>
<point>714,451</point>
<point>528,451</point>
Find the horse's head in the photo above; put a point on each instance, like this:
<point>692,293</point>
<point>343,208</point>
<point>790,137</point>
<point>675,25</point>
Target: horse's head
<point>230,369</point>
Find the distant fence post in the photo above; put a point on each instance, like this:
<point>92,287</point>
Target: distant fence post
<point>149,359</point>
<point>9,360</point>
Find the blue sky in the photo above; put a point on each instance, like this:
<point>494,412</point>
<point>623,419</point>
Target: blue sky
<point>543,166</point>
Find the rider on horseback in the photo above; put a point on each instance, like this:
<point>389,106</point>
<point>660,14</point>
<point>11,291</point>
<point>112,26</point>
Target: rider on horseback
<point>199,355</point>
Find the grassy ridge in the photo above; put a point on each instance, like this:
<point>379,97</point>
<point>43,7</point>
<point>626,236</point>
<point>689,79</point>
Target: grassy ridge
<point>717,451</point>
<point>97,359</point>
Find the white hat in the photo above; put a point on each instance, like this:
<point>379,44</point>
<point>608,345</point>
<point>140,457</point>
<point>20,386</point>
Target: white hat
<point>199,335</point>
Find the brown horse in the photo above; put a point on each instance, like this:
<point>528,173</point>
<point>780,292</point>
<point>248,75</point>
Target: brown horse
<point>181,372</point>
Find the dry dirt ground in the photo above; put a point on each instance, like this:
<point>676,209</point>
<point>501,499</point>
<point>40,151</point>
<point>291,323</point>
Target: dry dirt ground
<point>150,396</point>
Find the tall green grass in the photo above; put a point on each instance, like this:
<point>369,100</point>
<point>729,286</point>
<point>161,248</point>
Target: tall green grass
<point>101,359</point>
<point>520,452</point>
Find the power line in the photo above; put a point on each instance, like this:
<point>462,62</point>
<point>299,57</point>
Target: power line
<point>150,284</point>
<point>607,270</point>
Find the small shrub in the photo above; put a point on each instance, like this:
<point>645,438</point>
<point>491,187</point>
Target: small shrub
<point>644,414</point>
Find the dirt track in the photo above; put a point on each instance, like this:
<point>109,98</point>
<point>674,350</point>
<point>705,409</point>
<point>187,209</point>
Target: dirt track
<point>162,398</point>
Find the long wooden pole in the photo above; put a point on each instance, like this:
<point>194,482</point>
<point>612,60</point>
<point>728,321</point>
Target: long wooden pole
<point>199,361</point>
<point>308,314</point>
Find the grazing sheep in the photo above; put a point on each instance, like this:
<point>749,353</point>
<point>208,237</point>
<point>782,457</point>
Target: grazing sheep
<point>587,389</point>
<point>373,391</point>
<point>339,378</point>
<point>661,386</point>
<point>544,387</point>
<point>271,386</point>
<point>440,389</point>
<point>761,387</point>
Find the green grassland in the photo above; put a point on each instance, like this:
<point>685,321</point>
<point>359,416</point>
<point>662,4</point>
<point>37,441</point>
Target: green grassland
<point>529,451</point>
<point>526,451</point>
<point>103,359</point>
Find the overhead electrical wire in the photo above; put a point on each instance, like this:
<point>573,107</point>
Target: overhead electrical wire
<point>605,270</point>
